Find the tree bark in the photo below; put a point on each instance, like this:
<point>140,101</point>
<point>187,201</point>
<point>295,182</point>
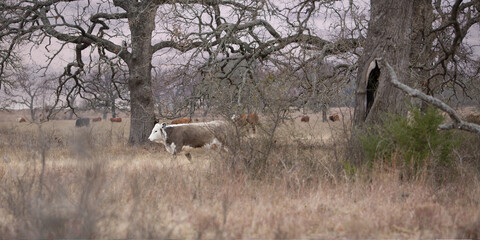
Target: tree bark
<point>388,36</point>
<point>421,53</point>
<point>142,23</point>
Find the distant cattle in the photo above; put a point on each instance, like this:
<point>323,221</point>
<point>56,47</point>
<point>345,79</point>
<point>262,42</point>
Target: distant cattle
<point>82,122</point>
<point>334,118</point>
<point>98,119</point>
<point>21,120</point>
<point>194,135</point>
<point>247,119</point>
<point>305,118</point>
<point>182,120</point>
<point>116,119</point>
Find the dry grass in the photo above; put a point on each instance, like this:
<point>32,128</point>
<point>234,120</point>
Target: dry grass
<point>95,186</point>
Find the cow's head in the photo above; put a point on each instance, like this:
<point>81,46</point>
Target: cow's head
<point>158,133</point>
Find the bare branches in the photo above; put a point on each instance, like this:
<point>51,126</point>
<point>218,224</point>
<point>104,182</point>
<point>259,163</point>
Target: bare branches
<point>450,27</point>
<point>457,122</point>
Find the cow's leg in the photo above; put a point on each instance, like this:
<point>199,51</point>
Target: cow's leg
<point>170,147</point>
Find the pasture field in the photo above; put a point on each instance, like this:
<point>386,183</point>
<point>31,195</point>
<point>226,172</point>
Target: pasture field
<point>58,181</point>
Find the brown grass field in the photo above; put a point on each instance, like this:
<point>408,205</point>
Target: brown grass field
<point>93,185</point>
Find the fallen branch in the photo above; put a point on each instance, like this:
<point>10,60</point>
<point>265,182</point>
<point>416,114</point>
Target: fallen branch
<point>457,122</point>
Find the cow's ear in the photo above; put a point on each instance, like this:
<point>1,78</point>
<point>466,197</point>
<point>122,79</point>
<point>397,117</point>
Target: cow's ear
<point>156,121</point>
<point>164,125</point>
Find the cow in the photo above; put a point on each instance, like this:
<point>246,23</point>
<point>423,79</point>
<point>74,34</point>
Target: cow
<point>334,118</point>
<point>194,135</point>
<point>116,119</point>
<point>82,122</point>
<point>97,119</point>
<point>21,120</point>
<point>247,119</point>
<point>305,118</point>
<point>182,120</point>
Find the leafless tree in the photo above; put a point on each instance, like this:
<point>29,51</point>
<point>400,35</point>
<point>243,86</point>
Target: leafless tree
<point>174,92</point>
<point>424,41</point>
<point>31,92</point>
<point>108,83</point>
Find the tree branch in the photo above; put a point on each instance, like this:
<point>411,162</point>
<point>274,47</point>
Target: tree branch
<point>457,122</point>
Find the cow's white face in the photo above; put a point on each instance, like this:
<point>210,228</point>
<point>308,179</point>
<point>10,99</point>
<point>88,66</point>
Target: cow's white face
<point>158,133</point>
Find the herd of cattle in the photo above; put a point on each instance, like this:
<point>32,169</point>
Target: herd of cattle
<point>182,132</point>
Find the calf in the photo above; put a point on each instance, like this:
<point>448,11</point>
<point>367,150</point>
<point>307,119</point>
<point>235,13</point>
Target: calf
<point>98,119</point>
<point>182,120</point>
<point>305,118</point>
<point>194,135</point>
<point>247,119</point>
<point>116,119</point>
<point>334,118</point>
<point>82,122</point>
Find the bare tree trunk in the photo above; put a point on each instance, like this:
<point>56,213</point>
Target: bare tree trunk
<point>105,112</point>
<point>388,37</point>
<point>32,109</point>
<point>324,112</point>
<point>142,24</point>
<point>114,109</point>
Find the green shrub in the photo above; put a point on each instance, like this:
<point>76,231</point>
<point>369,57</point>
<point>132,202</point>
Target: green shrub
<point>415,141</point>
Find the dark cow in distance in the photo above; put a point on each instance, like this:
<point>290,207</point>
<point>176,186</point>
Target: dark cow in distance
<point>116,119</point>
<point>247,119</point>
<point>182,120</point>
<point>82,122</point>
<point>97,119</point>
<point>305,118</point>
<point>194,135</point>
<point>334,118</point>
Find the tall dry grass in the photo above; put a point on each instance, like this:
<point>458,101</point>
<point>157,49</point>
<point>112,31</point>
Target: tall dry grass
<point>61,182</point>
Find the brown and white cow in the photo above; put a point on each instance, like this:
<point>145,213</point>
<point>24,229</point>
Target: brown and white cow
<point>182,120</point>
<point>116,119</point>
<point>195,135</point>
<point>247,119</point>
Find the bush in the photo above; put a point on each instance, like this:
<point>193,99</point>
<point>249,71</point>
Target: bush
<point>415,141</point>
